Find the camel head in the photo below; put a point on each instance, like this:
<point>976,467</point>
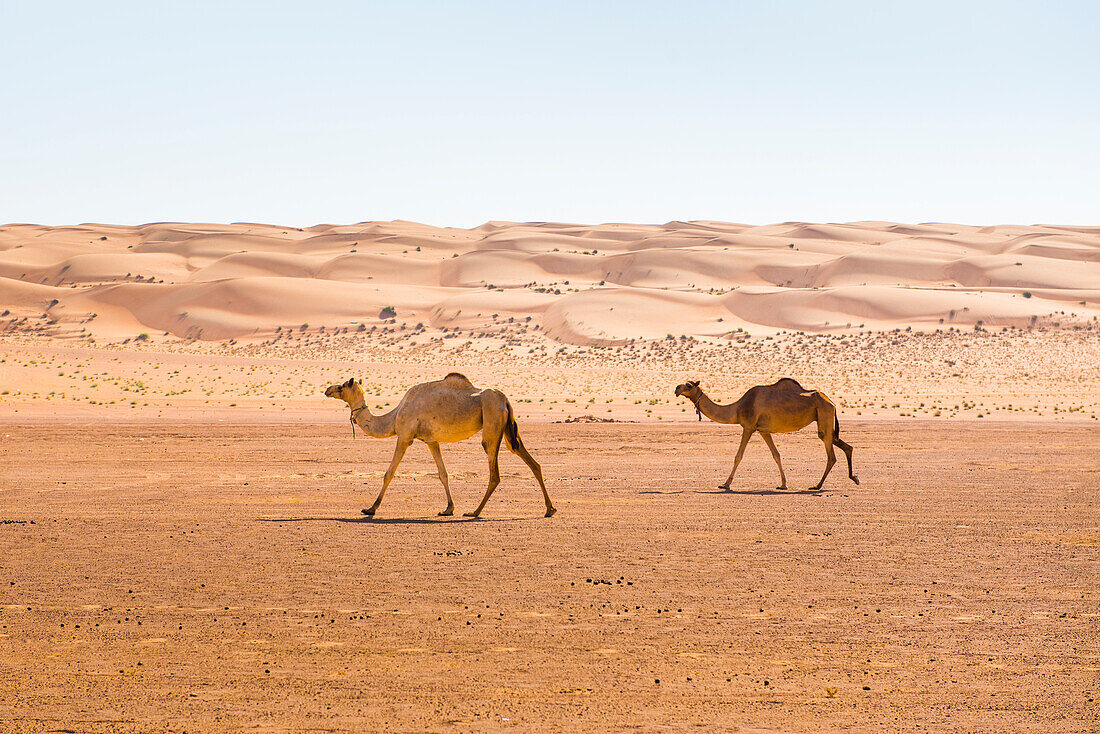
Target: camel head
<point>348,391</point>
<point>690,390</point>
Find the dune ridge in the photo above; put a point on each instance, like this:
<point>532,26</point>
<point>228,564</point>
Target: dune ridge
<point>577,284</point>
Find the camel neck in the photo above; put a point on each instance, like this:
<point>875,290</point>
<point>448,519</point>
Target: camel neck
<point>359,404</point>
<point>377,426</point>
<point>716,412</point>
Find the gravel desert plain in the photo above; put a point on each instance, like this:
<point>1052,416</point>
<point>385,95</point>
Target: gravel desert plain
<point>182,547</point>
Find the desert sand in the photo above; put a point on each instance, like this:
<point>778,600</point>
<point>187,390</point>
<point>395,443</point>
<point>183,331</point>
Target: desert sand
<point>201,577</point>
<point>180,540</point>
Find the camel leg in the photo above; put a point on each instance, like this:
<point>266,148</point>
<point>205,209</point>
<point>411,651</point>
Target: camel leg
<point>521,452</point>
<point>746,434</point>
<point>492,450</point>
<point>830,457</point>
<point>438,456</point>
<point>398,452</point>
<point>847,449</point>
<point>775,455</point>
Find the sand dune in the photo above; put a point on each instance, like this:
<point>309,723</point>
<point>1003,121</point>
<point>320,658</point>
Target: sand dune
<point>580,284</point>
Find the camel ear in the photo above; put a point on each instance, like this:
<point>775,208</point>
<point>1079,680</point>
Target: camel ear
<point>693,383</point>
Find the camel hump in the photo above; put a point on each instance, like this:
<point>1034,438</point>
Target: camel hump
<point>817,394</point>
<point>789,383</point>
<point>457,380</point>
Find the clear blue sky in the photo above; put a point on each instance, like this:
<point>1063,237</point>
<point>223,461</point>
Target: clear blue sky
<point>454,113</point>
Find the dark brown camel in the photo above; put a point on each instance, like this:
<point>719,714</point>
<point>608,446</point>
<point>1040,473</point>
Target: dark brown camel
<point>784,407</point>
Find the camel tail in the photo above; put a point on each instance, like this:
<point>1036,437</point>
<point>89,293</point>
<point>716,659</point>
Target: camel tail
<point>511,431</point>
<point>836,426</point>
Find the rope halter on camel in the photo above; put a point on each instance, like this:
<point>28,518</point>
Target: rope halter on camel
<point>355,412</point>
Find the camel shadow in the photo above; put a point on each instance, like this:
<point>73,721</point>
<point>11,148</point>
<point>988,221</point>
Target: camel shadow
<point>391,520</point>
<point>763,492</point>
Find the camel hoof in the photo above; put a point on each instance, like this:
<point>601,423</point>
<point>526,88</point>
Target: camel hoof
<point>724,486</point>
<point>469,514</point>
<point>447,513</point>
<point>550,512</point>
<point>369,511</point>
<point>856,480</point>
<point>781,489</point>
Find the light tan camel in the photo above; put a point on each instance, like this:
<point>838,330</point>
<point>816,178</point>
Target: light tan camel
<point>443,411</point>
<point>780,408</point>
